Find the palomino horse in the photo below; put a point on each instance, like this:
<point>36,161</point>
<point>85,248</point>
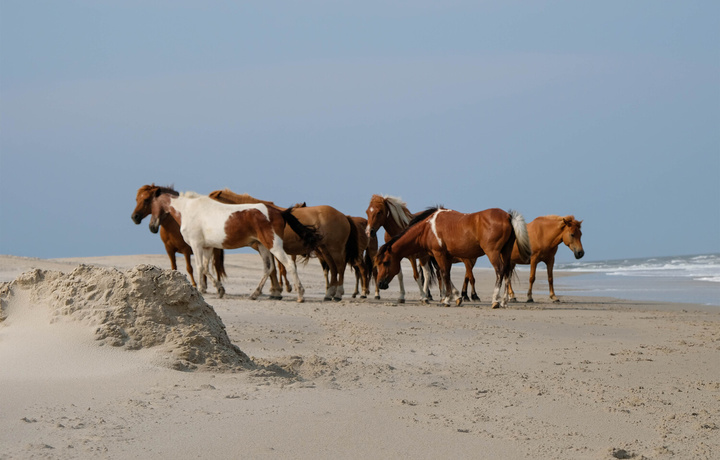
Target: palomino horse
<point>171,236</point>
<point>392,214</point>
<point>206,224</point>
<point>546,234</point>
<point>337,247</point>
<point>447,234</point>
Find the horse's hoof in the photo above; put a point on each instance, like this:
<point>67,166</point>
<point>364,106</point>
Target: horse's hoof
<point>425,302</point>
<point>430,297</point>
<point>401,300</point>
<point>275,297</point>
<point>513,299</point>
<point>300,300</point>
<point>377,297</point>
<point>496,305</point>
<point>465,298</point>
<point>327,298</point>
<point>337,299</point>
<point>556,300</point>
<point>363,296</point>
<point>530,300</point>
<point>476,297</point>
<point>458,301</point>
<point>354,296</point>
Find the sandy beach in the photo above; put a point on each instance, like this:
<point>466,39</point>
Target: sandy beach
<point>109,357</point>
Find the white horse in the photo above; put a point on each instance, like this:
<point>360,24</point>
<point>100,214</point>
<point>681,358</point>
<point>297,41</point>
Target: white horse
<point>206,224</point>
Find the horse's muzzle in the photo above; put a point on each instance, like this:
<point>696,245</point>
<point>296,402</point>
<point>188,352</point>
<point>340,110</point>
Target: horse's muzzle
<point>136,218</point>
<point>154,225</point>
<point>579,254</point>
<point>383,284</point>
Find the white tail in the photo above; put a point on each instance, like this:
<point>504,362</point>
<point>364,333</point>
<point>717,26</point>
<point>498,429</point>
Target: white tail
<point>521,234</point>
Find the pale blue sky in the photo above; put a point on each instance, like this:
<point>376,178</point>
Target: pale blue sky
<point>606,110</point>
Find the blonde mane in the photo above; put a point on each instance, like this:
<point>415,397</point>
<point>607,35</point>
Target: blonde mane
<point>190,195</point>
<point>398,210</point>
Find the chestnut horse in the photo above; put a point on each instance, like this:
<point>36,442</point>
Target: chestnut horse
<point>392,214</point>
<point>206,224</point>
<point>171,237</point>
<point>447,234</point>
<point>546,233</point>
<point>338,245</point>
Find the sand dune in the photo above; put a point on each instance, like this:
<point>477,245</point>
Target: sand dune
<point>113,357</point>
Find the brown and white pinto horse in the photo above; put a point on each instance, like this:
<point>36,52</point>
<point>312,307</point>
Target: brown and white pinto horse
<point>170,235</point>
<point>337,247</point>
<point>206,224</point>
<point>546,233</point>
<point>392,214</point>
<point>447,234</point>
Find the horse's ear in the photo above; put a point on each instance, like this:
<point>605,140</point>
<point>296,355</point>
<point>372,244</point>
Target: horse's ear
<point>567,220</point>
<point>157,192</point>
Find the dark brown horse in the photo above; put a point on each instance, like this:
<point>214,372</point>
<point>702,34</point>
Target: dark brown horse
<point>170,235</point>
<point>338,245</point>
<point>447,234</point>
<point>363,266</point>
<point>206,223</point>
<point>546,233</point>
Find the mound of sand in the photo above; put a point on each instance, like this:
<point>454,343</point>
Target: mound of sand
<point>145,307</point>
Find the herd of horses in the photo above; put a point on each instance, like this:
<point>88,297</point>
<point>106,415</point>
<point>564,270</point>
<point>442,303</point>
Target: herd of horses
<point>432,240</point>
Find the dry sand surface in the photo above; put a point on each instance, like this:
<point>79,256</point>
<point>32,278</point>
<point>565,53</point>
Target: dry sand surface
<point>112,357</point>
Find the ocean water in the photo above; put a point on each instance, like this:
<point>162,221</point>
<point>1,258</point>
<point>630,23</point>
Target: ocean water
<point>687,279</point>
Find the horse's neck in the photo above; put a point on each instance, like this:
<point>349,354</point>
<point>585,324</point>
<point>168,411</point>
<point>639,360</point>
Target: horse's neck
<point>552,231</point>
<point>176,207</point>
<point>410,242</point>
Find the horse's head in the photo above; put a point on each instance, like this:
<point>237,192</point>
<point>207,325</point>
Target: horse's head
<point>388,265</point>
<point>572,235</point>
<point>144,197</point>
<point>376,213</point>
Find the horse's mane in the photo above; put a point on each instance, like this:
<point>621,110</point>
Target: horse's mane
<point>415,220</point>
<point>190,194</point>
<point>561,219</point>
<point>398,210</point>
<point>162,188</point>
<point>238,198</point>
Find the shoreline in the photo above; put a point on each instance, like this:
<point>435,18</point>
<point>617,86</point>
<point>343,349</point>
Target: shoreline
<point>584,378</point>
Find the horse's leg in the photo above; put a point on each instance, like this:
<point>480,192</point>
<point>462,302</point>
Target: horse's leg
<point>469,278</point>
<point>550,264</point>
<point>357,281</point>
<point>445,263</point>
<point>204,255</point>
<point>426,284</point>
<point>495,260</point>
<point>283,276</point>
<point>200,269</point>
<point>511,293</point>
<point>401,299</point>
<point>268,272</point>
<point>338,278</point>
<point>533,269</point>
<point>188,265</point>
<point>416,273</point>
<point>289,263</point>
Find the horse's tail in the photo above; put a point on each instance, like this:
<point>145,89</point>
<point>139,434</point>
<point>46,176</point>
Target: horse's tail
<point>352,249</point>
<point>521,235</point>
<point>308,234</point>
<point>219,262</point>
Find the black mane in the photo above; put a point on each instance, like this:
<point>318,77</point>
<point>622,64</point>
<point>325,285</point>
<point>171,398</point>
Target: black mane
<point>415,220</point>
